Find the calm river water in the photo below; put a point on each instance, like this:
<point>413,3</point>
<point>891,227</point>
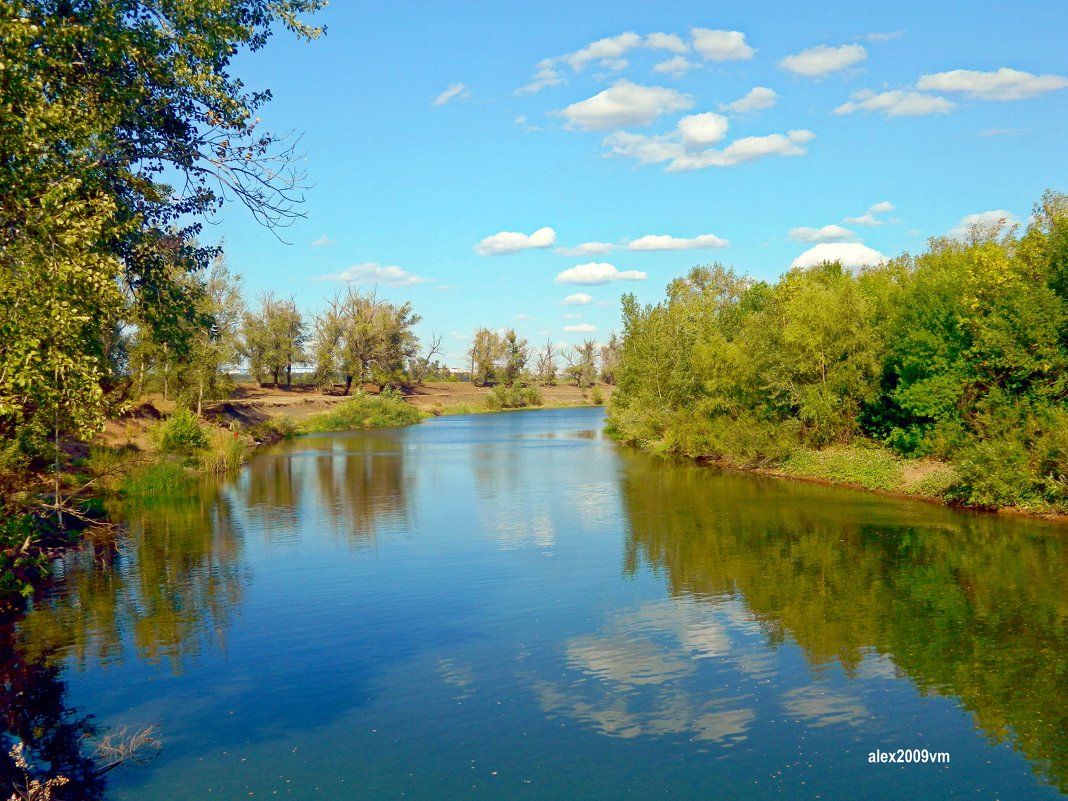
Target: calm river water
<point>511,607</point>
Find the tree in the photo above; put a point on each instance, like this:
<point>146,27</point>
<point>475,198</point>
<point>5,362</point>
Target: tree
<point>582,363</point>
<point>365,339</point>
<point>546,356</point>
<point>610,359</point>
<point>487,349</point>
<point>420,366</point>
<point>273,339</point>
<point>515,357</point>
<point>100,100</point>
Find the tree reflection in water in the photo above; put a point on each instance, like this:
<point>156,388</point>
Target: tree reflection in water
<point>969,606</point>
<point>167,588</point>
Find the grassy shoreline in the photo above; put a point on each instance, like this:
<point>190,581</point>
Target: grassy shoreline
<point>872,468</point>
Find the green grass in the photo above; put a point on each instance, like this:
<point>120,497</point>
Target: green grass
<point>363,411</point>
<point>165,476</point>
<point>869,467</point>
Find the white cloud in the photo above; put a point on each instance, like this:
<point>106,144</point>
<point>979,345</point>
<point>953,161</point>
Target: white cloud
<point>587,249</point>
<point>756,99</point>
<point>884,37</point>
<point>1004,84</point>
<point>716,45</point>
<point>666,41</point>
<point>984,222</point>
<point>571,316</point>
<point>323,241</point>
<point>545,77</point>
<point>821,60</point>
<point>578,299</point>
<point>608,49</point>
<point>595,273</point>
<point>676,67</point>
<point>646,149</point>
<point>456,91</point>
<point>581,328</point>
<point>662,242</point>
<point>373,273</point>
<point>851,255</point>
<point>869,218</point>
<point>513,242</point>
<point>624,104</point>
<point>828,233</point>
<point>702,130</point>
<point>896,103</point>
<point>742,150</point>
<point>523,317</point>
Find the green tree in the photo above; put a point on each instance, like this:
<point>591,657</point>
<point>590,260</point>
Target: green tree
<point>486,351</point>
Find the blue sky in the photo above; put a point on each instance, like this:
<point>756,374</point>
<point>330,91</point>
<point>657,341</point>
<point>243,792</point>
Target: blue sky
<point>510,165</point>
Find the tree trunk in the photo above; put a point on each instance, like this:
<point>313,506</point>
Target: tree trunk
<point>289,376</point>
<point>348,384</point>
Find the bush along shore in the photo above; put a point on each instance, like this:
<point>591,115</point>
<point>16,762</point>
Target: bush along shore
<point>942,375</point>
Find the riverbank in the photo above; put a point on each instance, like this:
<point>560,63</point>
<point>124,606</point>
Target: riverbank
<point>870,467</point>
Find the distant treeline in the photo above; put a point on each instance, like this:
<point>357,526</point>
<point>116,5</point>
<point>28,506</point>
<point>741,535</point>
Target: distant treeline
<point>958,354</point>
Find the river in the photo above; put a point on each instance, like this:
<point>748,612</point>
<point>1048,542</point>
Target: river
<point>511,606</point>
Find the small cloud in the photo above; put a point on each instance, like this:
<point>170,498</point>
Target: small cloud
<point>571,316</point>
<point>523,317</point>
<point>543,79</point>
<point>456,91</point>
<point>581,328</point>
<point>666,41</point>
<point>828,233</point>
<point>610,50</point>
<point>823,60</point>
<point>985,222</point>
<point>876,38</point>
<point>595,273</point>
<point>701,130</point>
<point>869,217</point>
<point>624,104</point>
<point>520,120</point>
<point>587,249</point>
<point>512,242</point>
<point>323,241</point>
<point>714,45</point>
<point>896,103</point>
<point>653,242</point>
<point>743,150</point>
<point>851,255</point>
<point>1003,132</point>
<point>373,273</point>
<point>756,99</point>
<point>578,299</point>
<point>676,67</point>
<point>1004,84</point>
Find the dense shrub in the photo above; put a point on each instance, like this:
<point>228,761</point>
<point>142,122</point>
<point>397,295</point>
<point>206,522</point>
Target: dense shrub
<point>514,396</point>
<point>181,433</point>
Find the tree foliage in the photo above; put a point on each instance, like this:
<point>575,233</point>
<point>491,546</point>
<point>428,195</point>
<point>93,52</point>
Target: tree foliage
<point>960,353</point>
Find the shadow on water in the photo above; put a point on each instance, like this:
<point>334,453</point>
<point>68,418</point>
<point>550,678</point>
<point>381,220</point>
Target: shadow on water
<point>969,606</point>
<point>34,711</point>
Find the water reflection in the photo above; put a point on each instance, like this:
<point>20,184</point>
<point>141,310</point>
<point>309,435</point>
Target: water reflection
<point>642,674</point>
<point>167,588</point>
<point>359,481</point>
<point>967,606</point>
